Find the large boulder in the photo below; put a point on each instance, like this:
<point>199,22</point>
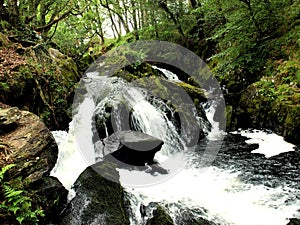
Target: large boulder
<point>132,147</point>
<point>26,142</point>
<point>99,198</point>
<point>276,108</point>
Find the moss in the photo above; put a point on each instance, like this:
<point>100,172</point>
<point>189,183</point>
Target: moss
<point>292,124</point>
<point>4,41</point>
<point>193,91</point>
<point>272,103</point>
<point>42,87</point>
<point>103,198</point>
<point>228,110</point>
<point>160,217</point>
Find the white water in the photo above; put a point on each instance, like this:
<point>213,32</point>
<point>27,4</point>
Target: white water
<point>215,133</point>
<point>170,76</point>
<point>226,199</point>
<point>270,144</point>
<point>71,161</point>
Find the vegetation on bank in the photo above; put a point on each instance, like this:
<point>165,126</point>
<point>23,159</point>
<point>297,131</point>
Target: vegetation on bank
<point>252,46</point>
<point>16,202</point>
<point>243,41</point>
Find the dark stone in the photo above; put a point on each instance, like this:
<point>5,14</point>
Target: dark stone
<point>294,221</point>
<point>133,148</point>
<point>51,196</point>
<point>160,217</point>
<point>99,198</point>
<point>31,147</point>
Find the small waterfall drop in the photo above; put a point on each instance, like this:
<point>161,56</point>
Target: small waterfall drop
<point>215,194</point>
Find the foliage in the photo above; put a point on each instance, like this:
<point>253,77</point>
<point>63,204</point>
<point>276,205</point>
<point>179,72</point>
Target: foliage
<point>46,82</point>
<point>15,201</point>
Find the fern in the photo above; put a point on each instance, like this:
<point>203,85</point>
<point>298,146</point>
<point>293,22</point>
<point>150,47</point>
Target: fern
<point>17,201</point>
<point>4,169</point>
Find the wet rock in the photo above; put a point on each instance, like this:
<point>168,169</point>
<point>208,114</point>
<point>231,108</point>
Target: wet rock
<point>278,112</point>
<point>160,217</point>
<point>26,142</point>
<point>294,221</point>
<point>133,148</point>
<point>99,198</point>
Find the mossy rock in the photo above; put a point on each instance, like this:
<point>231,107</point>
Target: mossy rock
<point>160,217</point>
<point>40,83</point>
<point>273,106</point>
<point>292,124</point>
<point>99,198</point>
<point>193,91</point>
<point>27,143</point>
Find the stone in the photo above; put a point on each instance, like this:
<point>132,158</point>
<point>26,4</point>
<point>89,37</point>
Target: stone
<point>294,221</point>
<point>264,111</point>
<point>26,142</point>
<point>132,147</point>
<point>160,217</point>
<point>50,87</point>
<point>98,200</point>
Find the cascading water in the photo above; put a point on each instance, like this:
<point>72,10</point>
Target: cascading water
<point>224,192</point>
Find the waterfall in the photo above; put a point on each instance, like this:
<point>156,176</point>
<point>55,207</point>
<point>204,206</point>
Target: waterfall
<point>216,193</point>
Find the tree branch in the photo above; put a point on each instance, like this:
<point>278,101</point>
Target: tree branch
<point>54,21</point>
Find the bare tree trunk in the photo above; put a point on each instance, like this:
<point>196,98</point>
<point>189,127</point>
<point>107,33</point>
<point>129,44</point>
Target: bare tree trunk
<point>153,18</point>
<point>117,12</point>
<point>125,13</point>
<point>134,18</point>
<point>114,27</point>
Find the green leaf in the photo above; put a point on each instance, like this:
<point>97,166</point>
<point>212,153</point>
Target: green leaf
<point>13,194</point>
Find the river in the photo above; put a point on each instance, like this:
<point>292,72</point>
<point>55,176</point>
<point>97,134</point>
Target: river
<point>252,180</point>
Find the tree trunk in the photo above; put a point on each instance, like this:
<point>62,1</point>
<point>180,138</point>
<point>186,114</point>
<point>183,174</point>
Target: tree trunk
<point>135,22</point>
<point>153,18</point>
<point>125,12</point>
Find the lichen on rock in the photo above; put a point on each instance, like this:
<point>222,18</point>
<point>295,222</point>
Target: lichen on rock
<point>27,143</point>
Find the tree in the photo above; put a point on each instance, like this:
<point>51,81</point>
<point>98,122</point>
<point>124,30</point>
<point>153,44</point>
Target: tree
<point>37,15</point>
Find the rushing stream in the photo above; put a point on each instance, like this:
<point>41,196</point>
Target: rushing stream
<point>249,182</point>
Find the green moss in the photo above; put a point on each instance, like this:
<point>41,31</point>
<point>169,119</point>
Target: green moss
<point>4,41</point>
<point>160,217</point>
<point>105,197</point>
<point>292,123</point>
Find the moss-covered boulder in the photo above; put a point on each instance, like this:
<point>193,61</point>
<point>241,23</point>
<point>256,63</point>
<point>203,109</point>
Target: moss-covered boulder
<point>273,104</point>
<point>160,217</point>
<point>27,143</point>
<point>99,198</point>
<point>39,80</point>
